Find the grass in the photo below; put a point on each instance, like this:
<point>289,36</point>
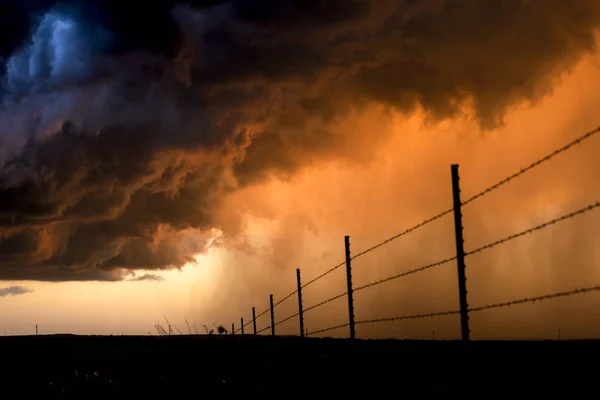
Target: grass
<point>170,329</point>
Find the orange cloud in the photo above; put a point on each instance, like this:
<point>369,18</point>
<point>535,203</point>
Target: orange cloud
<point>300,223</point>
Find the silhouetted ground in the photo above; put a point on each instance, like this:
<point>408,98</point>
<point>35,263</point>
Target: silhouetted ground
<point>285,367</point>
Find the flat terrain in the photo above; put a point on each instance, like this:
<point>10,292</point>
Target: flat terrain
<point>284,367</point>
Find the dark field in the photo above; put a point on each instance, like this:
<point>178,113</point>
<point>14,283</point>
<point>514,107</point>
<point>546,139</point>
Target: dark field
<point>284,367</point>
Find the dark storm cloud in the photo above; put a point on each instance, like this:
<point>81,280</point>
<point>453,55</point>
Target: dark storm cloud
<point>14,291</point>
<point>147,277</point>
<point>119,128</point>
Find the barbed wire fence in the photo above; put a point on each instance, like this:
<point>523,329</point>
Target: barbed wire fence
<point>460,256</point>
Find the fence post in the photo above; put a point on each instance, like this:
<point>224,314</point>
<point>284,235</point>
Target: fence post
<point>272,315</point>
<point>300,312</point>
<point>232,329</point>
<point>242,324</point>
<point>460,255</point>
<point>254,319</point>
<point>350,292</point>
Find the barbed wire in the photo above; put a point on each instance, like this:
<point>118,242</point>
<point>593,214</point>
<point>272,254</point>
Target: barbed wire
<point>287,319</point>
<point>251,320</point>
<point>548,157</point>
<point>263,313</point>
<point>403,233</point>
<point>326,301</point>
<point>441,262</point>
<point>537,298</point>
<point>414,316</point>
<point>535,228</point>
<point>292,316</point>
<point>323,274</point>
<point>263,329</point>
<point>504,181</point>
<point>268,327</point>
<point>243,326</point>
<point>268,309</point>
<point>407,231</point>
<point>524,300</point>
<point>488,306</point>
<point>403,274</point>
<point>327,329</point>
<point>285,298</point>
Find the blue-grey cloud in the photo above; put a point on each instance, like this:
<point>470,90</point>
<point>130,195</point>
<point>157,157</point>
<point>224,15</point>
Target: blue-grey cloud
<point>14,291</point>
<point>60,52</point>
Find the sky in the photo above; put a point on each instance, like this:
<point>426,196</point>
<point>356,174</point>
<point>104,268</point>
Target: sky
<point>186,172</point>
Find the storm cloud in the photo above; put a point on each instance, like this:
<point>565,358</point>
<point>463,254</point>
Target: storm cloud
<point>147,277</point>
<point>115,151</point>
<point>14,291</point>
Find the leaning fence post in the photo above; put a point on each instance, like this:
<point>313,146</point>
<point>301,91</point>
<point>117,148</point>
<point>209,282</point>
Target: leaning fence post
<point>242,324</point>
<point>272,315</point>
<point>460,255</point>
<point>254,319</point>
<point>300,312</point>
<point>349,283</point>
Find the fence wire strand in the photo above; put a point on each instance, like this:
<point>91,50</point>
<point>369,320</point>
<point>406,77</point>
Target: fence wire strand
<point>268,309</point>
<point>370,249</point>
<point>324,274</point>
<point>406,273</point>
<point>285,298</point>
<point>497,185</point>
<point>325,302</point>
<point>263,313</point>
<point>531,166</point>
<point>537,298</point>
<point>488,306</point>
<point>414,316</point>
<point>504,181</point>
<point>441,262</point>
<point>406,232</point>
<point>535,228</point>
<point>287,319</point>
<point>243,326</point>
<point>327,329</point>
<point>263,329</point>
